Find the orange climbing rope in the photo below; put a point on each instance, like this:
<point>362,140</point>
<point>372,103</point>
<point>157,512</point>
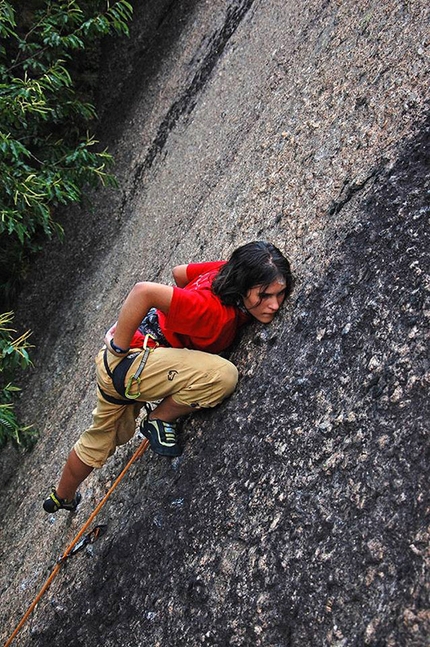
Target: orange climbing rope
<point>137,454</point>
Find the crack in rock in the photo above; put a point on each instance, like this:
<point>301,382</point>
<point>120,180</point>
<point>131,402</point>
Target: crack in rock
<point>187,101</point>
<point>348,190</point>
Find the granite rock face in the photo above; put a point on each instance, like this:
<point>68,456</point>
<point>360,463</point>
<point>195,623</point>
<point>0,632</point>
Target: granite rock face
<point>298,512</point>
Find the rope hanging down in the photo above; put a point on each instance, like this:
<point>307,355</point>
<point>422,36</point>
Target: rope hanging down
<point>70,548</point>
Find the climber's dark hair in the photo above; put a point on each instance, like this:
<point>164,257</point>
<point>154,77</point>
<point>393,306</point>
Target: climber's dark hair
<point>256,263</point>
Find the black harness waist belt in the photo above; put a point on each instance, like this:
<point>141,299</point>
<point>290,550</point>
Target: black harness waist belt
<point>120,371</point>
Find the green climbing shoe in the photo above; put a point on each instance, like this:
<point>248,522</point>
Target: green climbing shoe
<point>162,437</point>
<point>54,502</point>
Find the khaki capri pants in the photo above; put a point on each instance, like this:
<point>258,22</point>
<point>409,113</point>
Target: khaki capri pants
<point>191,377</point>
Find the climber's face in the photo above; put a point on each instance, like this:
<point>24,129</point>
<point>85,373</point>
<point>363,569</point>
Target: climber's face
<point>263,302</point>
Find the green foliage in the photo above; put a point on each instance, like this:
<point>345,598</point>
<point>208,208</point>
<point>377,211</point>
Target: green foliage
<point>47,155</point>
<point>13,356</point>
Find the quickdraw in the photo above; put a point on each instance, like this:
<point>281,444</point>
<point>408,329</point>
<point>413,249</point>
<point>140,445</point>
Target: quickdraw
<point>90,538</point>
<point>136,377</point>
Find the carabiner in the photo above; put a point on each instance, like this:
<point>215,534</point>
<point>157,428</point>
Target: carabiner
<point>136,377</point>
<point>132,396</point>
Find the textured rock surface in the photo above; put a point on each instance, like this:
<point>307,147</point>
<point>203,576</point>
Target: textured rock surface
<point>298,513</point>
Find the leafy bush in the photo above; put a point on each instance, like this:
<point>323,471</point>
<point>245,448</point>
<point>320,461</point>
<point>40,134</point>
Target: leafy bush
<point>47,156</point>
<point>13,356</point>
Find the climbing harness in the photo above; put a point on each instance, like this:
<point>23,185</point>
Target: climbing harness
<point>79,541</point>
<point>118,375</point>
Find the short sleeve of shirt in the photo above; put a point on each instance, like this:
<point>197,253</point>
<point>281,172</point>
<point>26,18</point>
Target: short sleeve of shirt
<point>196,269</point>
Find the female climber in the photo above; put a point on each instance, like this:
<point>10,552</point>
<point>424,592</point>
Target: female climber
<point>165,348</point>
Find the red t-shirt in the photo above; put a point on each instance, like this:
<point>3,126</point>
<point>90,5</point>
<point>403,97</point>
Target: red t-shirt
<point>197,318</point>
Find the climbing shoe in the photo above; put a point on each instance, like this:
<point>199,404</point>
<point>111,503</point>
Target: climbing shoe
<point>162,437</point>
<point>54,502</point>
